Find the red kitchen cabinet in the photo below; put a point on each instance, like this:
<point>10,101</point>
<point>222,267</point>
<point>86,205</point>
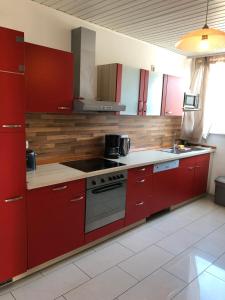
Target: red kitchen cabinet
<point>172,96</point>
<point>201,174</point>
<point>178,185</point>
<point>139,194</point>
<point>13,236</point>
<point>55,221</point>
<point>165,189</point>
<point>13,164</point>
<point>49,79</point>
<point>12,50</point>
<point>13,232</point>
<point>12,101</point>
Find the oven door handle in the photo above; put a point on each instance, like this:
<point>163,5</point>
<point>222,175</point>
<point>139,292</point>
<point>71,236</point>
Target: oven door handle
<point>107,188</point>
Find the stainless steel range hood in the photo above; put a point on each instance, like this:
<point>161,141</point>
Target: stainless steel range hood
<point>85,74</point>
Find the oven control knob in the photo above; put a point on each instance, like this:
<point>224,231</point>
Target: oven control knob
<point>114,177</point>
<point>118,176</point>
<point>121,176</point>
<point>102,180</point>
<point>93,182</point>
<point>110,178</point>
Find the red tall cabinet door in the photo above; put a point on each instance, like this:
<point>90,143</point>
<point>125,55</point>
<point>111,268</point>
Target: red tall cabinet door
<point>12,101</point>
<point>12,50</point>
<point>173,96</point>
<point>13,232</point>
<point>49,79</point>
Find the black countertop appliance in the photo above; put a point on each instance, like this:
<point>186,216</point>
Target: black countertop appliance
<point>112,146</point>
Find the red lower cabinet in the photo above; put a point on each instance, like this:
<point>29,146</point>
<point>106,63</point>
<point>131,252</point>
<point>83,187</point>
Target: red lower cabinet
<point>201,174</point>
<point>165,189</point>
<point>139,194</point>
<point>55,221</point>
<point>13,237</point>
<point>174,186</point>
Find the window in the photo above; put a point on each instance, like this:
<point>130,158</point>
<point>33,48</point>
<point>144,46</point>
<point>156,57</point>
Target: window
<point>214,118</point>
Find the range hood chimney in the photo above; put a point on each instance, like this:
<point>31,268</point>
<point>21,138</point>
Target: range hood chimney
<point>85,74</point>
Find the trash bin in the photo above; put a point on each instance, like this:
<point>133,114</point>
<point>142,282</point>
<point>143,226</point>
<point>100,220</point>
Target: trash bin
<point>220,190</point>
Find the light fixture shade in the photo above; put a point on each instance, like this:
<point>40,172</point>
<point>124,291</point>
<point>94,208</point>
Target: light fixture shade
<point>202,40</point>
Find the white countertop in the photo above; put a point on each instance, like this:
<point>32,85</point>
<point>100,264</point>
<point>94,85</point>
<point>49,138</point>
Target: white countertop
<point>51,174</point>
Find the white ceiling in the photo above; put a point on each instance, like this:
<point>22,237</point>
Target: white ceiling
<point>159,22</point>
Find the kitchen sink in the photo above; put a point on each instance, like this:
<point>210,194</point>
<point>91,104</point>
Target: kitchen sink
<point>180,151</point>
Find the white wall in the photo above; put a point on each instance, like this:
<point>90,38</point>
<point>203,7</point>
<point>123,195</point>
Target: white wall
<point>45,26</point>
<point>218,166</point>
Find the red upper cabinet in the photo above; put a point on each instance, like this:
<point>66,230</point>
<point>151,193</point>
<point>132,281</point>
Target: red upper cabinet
<point>48,79</point>
<point>55,221</point>
<point>12,50</point>
<point>12,101</point>
<point>172,96</point>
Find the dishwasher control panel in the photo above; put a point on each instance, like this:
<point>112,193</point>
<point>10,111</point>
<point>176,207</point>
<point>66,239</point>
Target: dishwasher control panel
<point>161,167</point>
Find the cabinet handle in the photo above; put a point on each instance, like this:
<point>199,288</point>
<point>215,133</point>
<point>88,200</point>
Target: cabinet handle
<point>169,112</point>
<point>198,167</point>
<point>14,199</point>
<point>11,126</point>
<point>60,188</point>
<point>190,168</point>
<point>140,203</point>
<point>63,107</point>
<point>142,170</point>
<point>77,199</point>
<point>141,181</point>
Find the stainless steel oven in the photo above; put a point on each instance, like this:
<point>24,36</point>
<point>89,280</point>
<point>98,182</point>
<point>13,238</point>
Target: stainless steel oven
<point>105,199</point>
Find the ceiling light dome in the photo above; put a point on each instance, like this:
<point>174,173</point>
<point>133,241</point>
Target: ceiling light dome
<point>202,40</point>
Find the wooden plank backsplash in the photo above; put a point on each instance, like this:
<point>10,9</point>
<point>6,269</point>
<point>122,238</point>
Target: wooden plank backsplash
<point>58,138</point>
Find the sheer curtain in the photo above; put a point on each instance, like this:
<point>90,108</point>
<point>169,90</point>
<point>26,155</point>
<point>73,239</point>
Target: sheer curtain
<point>214,115</point>
<point>193,121</point>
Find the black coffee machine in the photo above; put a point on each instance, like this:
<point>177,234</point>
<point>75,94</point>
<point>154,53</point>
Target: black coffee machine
<point>116,145</point>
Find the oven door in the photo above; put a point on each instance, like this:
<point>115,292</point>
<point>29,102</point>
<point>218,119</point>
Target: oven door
<point>105,205</point>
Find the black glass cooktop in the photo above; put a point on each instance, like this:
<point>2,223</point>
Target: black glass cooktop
<point>91,165</point>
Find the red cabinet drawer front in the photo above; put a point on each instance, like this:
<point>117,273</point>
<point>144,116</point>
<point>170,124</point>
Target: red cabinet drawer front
<point>55,222</point>
<point>138,209</point>
<point>203,157</point>
<point>13,164</point>
<point>191,161</point>
<point>13,238</point>
<point>103,231</point>
<point>12,101</point>
<point>71,187</point>
<point>12,50</point>
<point>49,79</point>
<point>140,171</point>
<point>139,188</point>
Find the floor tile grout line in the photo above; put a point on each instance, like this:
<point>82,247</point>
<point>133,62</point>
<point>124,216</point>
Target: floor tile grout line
<point>217,277</point>
<point>64,294</point>
<point>183,227</point>
<point>82,271</point>
<point>12,295</point>
<point>138,280</point>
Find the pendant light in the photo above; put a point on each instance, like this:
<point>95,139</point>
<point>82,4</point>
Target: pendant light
<point>202,40</point>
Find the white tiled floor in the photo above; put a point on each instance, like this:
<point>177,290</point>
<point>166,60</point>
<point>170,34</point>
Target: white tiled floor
<point>178,255</point>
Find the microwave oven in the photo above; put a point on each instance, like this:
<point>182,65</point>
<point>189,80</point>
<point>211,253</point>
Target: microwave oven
<point>191,101</point>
